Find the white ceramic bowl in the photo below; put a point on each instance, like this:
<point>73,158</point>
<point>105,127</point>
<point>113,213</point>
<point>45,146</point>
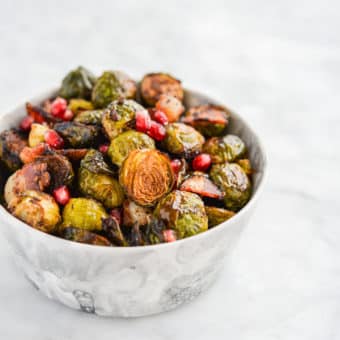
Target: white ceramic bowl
<point>135,281</point>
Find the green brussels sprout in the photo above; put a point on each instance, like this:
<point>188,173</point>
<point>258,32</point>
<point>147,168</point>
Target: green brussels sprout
<point>182,140</point>
<point>96,181</point>
<point>135,214</point>
<point>217,215</point>
<point>78,135</point>
<point>234,183</point>
<point>79,105</point>
<point>89,117</point>
<point>77,84</point>
<point>124,143</point>
<point>154,231</point>
<point>224,149</point>
<point>210,120</point>
<point>84,236</point>
<point>84,213</point>
<point>183,212</point>
<point>11,144</point>
<point>120,116</point>
<point>37,209</point>
<point>153,85</point>
<point>146,176</point>
<point>112,85</point>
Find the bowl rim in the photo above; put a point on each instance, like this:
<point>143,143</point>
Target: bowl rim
<point>7,217</point>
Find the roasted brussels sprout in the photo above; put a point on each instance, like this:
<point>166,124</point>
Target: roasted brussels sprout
<point>146,176</point>
<point>113,232</point>
<point>90,117</point>
<point>37,134</point>
<point>135,214</point>
<point>84,213</point>
<point>37,209</point>
<point>184,212</point>
<point>124,143</point>
<point>77,84</point>
<point>171,106</point>
<point>120,116</point>
<point>79,105</point>
<point>217,215</point>
<point>40,115</point>
<point>182,140</point>
<point>234,183</point>
<point>154,231</point>
<point>153,85</point>
<point>11,144</point>
<point>225,149</point>
<point>210,120</point>
<point>84,236</point>
<point>74,155</point>
<point>200,184</point>
<point>245,164</point>
<point>96,180</point>
<point>78,135</point>
<point>110,86</point>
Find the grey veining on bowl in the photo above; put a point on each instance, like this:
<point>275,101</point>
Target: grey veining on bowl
<point>129,282</point>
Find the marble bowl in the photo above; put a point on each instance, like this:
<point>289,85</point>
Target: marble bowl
<point>129,282</point>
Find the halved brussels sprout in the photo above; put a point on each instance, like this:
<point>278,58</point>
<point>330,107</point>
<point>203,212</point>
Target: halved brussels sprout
<point>171,106</point>
<point>146,176</point>
<point>217,215</point>
<point>77,84</point>
<point>183,212</point>
<point>74,155</point>
<point>96,180</point>
<point>11,144</point>
<point>84,236</point>
<point>120,116</point>
<point>153,85</point>
<point>79,105</point>
<point>182,140</point>
<point>234,183</point>
<point>112,85</point>
<point>90,117</point>
<point>37,134</point>
<point>135,214</point>
<point>78,135</point>
<point>210,120</point>
<point>84,213</point>
<point>124,143</point>
<point>37,209</point>
<point>225,149</point>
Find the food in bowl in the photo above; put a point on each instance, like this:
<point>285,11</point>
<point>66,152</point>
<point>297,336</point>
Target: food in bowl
<point>111,162</point>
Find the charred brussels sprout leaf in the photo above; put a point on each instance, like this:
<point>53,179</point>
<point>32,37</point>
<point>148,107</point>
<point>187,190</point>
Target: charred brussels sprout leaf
<point>37,209</point>
<point>79,105</point>
<point>217,216</point>
<point>113,232</point>
<point>84,213</point>
<point>225,149</point>
<point>153,85</point>
<point>78,135</point>
<point>182,140</point>
<point>183,212</point>
<point>146,176</point>
<point>96,181</point>
<point>84,236</point>
<point>110,86</point>
<point>77,84</point>
<point>11,144</point>
<point>90,117</point>
<point>154,231</point>
<point>124,143</point>
<point>120,116</point>
<point>210,120</point>
<point>135,214</point>
<point>234,183</point>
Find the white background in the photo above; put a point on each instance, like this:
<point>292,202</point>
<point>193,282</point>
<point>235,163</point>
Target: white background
<point>275,62</point>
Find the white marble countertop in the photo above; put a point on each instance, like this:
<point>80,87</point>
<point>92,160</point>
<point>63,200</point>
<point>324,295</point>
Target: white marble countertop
<point>277,63</point>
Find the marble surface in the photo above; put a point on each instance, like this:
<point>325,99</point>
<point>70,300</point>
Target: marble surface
<point>278,64</point>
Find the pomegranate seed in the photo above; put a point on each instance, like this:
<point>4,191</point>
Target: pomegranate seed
<point>201,162</point>
<point>26,123</point>
<point>160,117</point>
<point>176,165</point>
<point>62,195</point>
<point>117,214</point>
<point>67,115</point>
<point>143,121</point>
<point>157,131</point>
<point>169,235</point>
<point>58,107</point>
<point>53,139</point>
<point>103,148</point>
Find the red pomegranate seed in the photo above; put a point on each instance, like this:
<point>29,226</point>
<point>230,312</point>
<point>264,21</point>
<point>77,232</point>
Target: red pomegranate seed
<point>176,165</point>
<point>117,214</point>
<point>201,162</point>
<point>157,131</point>
<point>67,115</point>
<point>169,235</point>
<point>53,139</point>
<point>26,123</point>
<point>104,148</point>
<point>58,107</point>
<point>62,195</point>
<point>160,117</point>
<point>143,121</point>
